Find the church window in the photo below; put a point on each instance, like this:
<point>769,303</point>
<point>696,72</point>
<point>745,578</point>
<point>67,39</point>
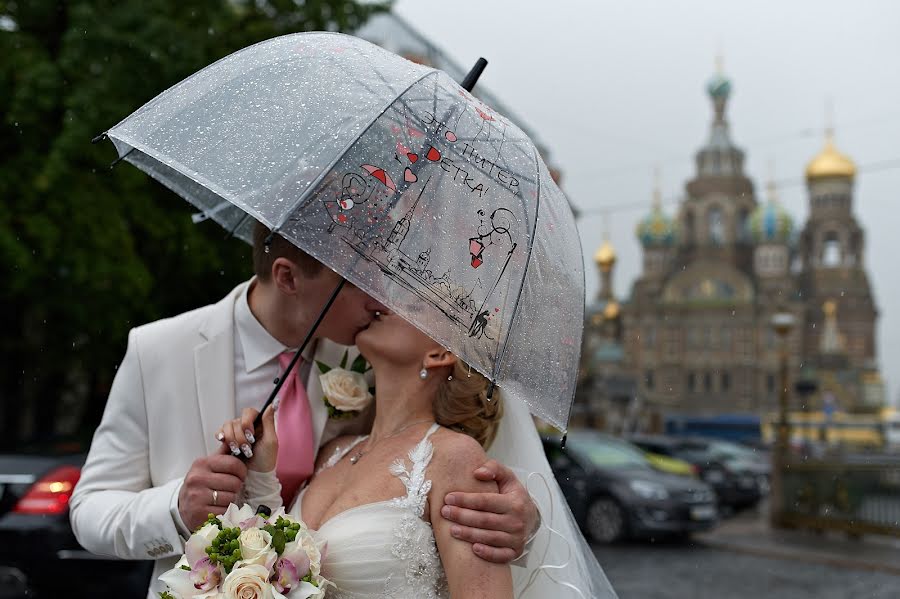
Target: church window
<point>831,251</point>
<point>689,226</point>
<point>692,382</point>
<point>707,382</point>
<point>716,226</point>
<point>770,384</point>
<point>726,381</point>
<point>650,338</point>
<point>648,379</point>
<point>743,226</point>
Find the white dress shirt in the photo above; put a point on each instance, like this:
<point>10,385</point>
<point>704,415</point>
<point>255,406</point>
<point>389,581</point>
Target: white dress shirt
<point>256,358</point>
<point>255,368</point>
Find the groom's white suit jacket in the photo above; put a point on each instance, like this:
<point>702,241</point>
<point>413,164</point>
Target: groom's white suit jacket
<point>172,392</point>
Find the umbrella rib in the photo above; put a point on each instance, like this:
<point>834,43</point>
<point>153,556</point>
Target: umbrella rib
<point>512,320</point>
<point>315,183</point>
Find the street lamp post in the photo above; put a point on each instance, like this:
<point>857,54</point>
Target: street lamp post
<point>783,323</point>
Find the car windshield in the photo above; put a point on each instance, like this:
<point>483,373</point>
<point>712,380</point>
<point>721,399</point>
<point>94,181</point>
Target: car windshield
<point>608,453</point>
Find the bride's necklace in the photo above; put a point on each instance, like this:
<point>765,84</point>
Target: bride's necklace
<point>360,453</point>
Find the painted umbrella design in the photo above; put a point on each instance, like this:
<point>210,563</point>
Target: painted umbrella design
<point>396,177</point>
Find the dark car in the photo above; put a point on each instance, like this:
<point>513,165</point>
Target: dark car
<point>39,555</point>
<point>615,493</point>
<point>738,481</point>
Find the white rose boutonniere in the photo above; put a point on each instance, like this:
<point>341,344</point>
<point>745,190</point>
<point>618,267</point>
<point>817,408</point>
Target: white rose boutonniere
<point>346,392</point>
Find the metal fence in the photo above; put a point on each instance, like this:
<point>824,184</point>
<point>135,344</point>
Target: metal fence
<point>858,496</point>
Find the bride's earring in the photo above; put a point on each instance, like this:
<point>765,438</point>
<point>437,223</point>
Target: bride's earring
<point>450,378</point>
<point>423,374</point>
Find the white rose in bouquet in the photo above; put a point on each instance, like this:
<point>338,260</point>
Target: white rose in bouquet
<point>346,390</point>
<point>256,548</point>
<point>248,582</point>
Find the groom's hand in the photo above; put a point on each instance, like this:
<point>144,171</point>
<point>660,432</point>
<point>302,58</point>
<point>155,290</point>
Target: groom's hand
<point>221,473</point>
<point>497,524</point>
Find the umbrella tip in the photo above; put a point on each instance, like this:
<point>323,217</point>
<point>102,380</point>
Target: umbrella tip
<point>471,79</point>
<point>562,444</point>
<point>490,391</point>
<point>99,138</point>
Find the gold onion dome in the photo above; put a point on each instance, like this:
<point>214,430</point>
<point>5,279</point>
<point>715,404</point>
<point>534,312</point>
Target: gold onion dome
<point>605,256</point>
<point>611,310</point>
<point>830,163</point>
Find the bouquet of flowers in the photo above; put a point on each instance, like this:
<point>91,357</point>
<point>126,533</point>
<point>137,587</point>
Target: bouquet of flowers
<point>247,555</point>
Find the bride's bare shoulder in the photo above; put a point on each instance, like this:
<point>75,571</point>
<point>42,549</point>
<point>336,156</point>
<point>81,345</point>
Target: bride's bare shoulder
<point>456,457</point>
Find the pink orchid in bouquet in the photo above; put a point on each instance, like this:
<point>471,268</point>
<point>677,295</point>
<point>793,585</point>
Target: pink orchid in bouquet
<point>244,554</point>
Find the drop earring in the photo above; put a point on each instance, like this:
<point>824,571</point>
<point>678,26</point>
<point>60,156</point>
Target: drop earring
<point>450,377</point>
<point>423,374</point>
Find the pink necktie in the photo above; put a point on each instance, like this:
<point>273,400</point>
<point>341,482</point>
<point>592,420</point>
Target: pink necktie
<point>295,432</point>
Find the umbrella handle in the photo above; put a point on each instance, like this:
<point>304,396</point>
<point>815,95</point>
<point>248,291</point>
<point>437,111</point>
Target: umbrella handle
<point>309,335</point>
<point>471,79</point>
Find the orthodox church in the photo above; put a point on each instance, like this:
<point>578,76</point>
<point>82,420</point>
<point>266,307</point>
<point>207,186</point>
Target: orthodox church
<point>695,338</point>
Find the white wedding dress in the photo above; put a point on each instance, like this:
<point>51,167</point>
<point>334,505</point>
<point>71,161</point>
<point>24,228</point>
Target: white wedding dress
<point>386,550</point>
<point>375,550</point>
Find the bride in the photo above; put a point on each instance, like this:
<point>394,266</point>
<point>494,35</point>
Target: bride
<point>372,497</point>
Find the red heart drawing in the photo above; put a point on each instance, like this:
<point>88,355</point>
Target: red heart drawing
<point>450,135</point>
<point>412,157</point>
<point>433,155</point>
<point>476,262</point>
<point>410,176</point>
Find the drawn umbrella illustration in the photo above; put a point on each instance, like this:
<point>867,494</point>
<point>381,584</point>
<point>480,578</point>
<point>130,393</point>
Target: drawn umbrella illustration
<point>397,178</point>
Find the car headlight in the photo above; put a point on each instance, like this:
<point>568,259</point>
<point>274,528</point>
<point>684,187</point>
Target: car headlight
<point>648,490</point>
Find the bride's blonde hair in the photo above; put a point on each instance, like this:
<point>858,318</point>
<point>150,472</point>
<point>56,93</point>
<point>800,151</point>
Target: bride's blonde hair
<point>462,404</point>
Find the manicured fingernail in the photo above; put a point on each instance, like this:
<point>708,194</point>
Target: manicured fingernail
<point>234,448</point>
<point>450,500</point>
<point>247,451</point>
<point>445,512</point>
<point>455,530</point>
<point>220,437</point>
<point>250,437</point>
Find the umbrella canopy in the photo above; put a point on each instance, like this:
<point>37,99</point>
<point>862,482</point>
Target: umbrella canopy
<point>397,178</point>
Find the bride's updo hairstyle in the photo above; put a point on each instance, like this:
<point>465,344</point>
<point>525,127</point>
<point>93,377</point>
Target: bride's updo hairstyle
<point>462,404</point>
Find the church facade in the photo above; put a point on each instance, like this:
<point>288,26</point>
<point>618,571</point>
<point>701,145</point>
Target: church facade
<point>695,337</point>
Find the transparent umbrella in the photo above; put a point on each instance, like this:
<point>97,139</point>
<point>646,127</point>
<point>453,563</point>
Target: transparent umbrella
<point>397,178</point>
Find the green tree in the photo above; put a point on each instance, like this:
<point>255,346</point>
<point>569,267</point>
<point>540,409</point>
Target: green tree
<point>87,253</point>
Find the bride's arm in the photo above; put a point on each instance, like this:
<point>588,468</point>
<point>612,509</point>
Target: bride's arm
<point>469,576</point>
<point>261,486</point>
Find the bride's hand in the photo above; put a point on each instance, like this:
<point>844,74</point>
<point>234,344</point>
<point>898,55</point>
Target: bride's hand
<point>259,446</point>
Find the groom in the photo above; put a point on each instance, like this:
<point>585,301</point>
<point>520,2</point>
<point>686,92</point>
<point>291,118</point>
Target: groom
<point>155,469</point>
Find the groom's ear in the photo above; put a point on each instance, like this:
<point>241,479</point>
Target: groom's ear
<point>439,357</point>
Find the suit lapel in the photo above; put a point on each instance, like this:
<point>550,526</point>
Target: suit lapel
<point>214,368</point>
<point>329,353</point>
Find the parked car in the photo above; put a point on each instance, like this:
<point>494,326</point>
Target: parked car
<point>738,483</point>
<point>39,555</point>
<point>615,493</point>
<point>671,465</point>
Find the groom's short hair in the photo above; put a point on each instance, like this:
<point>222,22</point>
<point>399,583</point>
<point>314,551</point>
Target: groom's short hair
<point>279,247</point>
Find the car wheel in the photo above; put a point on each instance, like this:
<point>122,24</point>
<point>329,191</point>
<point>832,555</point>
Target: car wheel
<point>605,520</point>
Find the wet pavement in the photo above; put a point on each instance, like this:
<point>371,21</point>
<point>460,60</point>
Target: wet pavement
<point>745,559</point>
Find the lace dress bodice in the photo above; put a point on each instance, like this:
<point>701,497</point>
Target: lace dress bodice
<point>382,549</point>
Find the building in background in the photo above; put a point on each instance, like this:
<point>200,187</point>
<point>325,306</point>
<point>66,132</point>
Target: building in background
<point>695,335</point>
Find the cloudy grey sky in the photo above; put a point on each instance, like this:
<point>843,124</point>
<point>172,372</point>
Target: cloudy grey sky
<point>613,88</point>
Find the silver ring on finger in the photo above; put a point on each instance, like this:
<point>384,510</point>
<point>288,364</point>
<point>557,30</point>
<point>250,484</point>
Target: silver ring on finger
<point>215,498</point>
